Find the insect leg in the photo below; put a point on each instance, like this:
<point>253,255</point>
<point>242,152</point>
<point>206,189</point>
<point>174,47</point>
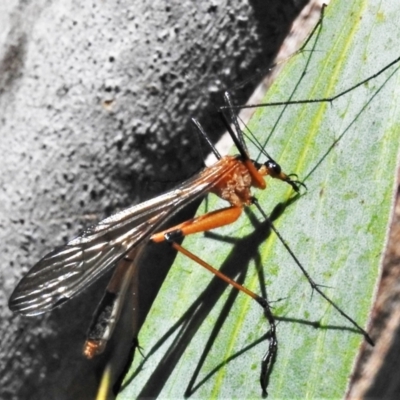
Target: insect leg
<point>330,99</point>
<point>219,274</point>
<point>204,223</point>
<point>314,286</point>
<point>270,356</point>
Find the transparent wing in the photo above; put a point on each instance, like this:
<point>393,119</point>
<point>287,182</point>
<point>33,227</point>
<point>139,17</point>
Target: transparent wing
<point>66,271</point>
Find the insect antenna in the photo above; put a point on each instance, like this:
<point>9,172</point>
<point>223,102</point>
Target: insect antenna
<point>233,118</point>
<point>237,137</point>
<point>201,132</point>
<point>253,139</point>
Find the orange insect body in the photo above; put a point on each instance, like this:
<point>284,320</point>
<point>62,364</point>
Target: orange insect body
<point>120,239</point>
<point>235,186</point>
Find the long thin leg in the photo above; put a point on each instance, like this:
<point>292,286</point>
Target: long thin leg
<point>322,100</point>
<point>314,286</point>
<point>263,302</point>
<point>206,222</point>
<point>269,358</point>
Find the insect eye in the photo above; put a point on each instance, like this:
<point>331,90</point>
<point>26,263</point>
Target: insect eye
<point>273,167</point>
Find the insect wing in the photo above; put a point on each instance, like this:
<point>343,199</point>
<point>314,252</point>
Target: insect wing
<point>66,271</point>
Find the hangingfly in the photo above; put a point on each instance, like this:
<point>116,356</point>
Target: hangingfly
<point>120,239</point>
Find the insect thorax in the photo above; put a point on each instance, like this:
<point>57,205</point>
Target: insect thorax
<point>235,186</point>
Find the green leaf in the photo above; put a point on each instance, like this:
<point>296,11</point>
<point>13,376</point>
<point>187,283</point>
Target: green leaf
<point>346,153</point>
